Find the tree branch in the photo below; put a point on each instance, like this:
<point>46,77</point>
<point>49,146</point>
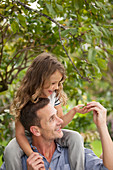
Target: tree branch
<point>19,51</point>
<point>40,13</point>
<point>3,83</point>
<point>9,38</point>
<point>85,78</point>
<point>3,32</point>
<point>59,26</point>
<point>2,16</point>
<point>44,15</point>
<point>2,38</point>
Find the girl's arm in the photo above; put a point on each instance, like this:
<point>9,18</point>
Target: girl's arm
<point>69,116</point>
<point>21,138</point>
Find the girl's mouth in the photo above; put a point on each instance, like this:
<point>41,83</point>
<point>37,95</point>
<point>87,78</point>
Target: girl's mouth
<point>50,91</point>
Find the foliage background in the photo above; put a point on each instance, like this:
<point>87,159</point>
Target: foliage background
<point>79,33</point>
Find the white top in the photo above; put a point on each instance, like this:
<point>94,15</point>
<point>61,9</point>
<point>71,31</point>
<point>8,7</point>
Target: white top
<point>53,99</point>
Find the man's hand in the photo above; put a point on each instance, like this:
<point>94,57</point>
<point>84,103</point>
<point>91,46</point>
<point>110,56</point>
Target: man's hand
<point>35,162</point>
<point>99,113</point>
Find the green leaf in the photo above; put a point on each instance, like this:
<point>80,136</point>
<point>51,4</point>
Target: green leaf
<point>22,20</point>
<point>108,26</point>
<point>77,4</point>
<point>88,39</point>
<point>15,26</point>
<point>50,9</point>
<point>96,29</point>
<point>105,32</point>
<point>73,15</point>
<point>100,5</point>
<point>9,7</point>
<point>109,50</point>
<point>65,32</point>
<point>59,7</point>
<point>73,31</point>
<point>91,55</point>
<point>102,63</point>
<point>97,71</point>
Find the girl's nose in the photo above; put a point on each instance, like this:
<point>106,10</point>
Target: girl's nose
<point>56,86</point>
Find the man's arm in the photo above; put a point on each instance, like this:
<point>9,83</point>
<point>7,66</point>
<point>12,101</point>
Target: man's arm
<point>99,117</point>
<point>35,162</point>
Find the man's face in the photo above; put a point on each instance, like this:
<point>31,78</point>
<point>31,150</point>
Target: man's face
<point>50,123</point>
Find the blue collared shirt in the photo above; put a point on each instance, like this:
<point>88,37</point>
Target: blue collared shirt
<point>60,160</point>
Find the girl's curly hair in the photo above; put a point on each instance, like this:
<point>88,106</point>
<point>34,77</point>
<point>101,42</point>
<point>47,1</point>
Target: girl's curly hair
<point>42,67</point>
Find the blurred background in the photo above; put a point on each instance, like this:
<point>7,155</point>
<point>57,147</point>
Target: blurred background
<point>80,34</point>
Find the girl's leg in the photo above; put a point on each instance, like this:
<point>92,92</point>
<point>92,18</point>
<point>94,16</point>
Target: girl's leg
<point>74,141</point>
<point>12,155</point>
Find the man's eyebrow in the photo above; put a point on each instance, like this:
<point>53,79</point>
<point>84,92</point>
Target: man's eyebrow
<point>53,114</point>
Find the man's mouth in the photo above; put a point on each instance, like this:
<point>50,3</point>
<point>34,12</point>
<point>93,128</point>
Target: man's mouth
<point>58,129</point>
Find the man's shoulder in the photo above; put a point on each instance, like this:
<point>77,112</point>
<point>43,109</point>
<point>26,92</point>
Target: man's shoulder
<point>92,160</point>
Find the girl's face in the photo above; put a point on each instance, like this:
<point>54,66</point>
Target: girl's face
<point>52,84</point>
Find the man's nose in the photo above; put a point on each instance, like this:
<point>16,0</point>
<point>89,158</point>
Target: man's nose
<point>60,121</point>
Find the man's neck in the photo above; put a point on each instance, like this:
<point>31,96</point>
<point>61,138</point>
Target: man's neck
<point>46,148</point>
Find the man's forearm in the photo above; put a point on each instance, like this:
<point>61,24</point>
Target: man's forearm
<point>107,147</point>
<point>99,118</point>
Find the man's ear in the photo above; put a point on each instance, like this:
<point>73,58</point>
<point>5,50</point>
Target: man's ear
<point>35,130</point>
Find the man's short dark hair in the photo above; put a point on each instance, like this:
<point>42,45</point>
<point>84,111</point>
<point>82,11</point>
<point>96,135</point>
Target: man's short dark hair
<point>28,116</point>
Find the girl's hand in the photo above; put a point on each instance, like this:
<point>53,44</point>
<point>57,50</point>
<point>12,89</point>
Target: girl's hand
<point>81,108</point>
<point>35,162</point>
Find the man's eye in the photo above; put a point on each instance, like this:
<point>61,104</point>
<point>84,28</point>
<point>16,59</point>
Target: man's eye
<point>51,119</point>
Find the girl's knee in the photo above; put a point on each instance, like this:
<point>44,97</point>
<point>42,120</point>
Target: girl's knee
<point>72,135</point>
<point>71,139</point>
<point>75,136</point>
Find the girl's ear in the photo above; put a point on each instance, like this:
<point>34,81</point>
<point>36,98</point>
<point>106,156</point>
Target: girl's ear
<point>35,130</point>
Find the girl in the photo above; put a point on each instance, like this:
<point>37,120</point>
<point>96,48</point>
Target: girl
<point>44,78</point>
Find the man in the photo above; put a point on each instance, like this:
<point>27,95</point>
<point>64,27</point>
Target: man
<point>42,121</point>
<point>45,127</point>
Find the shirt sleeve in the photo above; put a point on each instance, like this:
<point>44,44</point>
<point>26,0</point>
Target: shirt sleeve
<point>3,167</point>
<point>57,102</point>
<point>23,160</point>
<point>92,162</point>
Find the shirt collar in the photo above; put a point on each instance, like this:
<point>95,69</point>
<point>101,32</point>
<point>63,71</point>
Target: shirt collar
<point>58,147</point>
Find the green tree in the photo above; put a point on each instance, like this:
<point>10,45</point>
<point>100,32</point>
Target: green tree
<point>78,32</point>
